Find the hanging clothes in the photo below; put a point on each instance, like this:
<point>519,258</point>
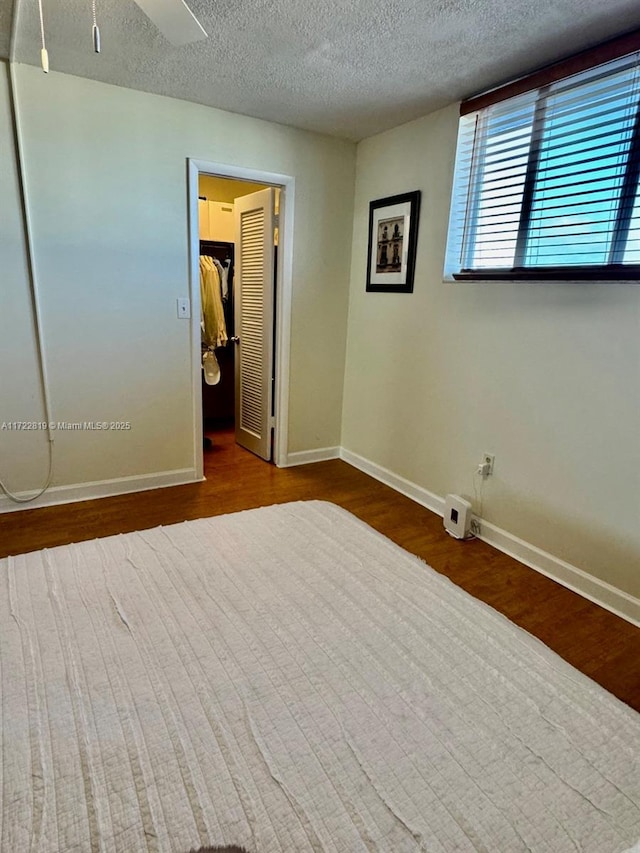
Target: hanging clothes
<point>214,328</point>
<point>223,271</point>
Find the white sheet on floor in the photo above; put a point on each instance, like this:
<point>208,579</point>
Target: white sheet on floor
<point>288,679</point>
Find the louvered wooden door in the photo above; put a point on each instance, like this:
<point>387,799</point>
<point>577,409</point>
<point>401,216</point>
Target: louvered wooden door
<point>253,300</point>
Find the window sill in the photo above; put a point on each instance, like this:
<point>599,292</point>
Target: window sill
<point>610,274</point>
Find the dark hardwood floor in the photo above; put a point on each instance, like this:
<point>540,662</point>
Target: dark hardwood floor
<point>595,641</point>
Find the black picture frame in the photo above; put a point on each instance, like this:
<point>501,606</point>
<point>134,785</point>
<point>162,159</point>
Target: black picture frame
<point>393,240</point>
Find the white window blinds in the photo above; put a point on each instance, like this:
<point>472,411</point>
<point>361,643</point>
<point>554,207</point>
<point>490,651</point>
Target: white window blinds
<point>547,181</point>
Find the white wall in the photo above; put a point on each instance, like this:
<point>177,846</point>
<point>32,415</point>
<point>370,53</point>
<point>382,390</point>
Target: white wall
<point>106,168</point>
<point>545,376</point>
<point>20,397</point>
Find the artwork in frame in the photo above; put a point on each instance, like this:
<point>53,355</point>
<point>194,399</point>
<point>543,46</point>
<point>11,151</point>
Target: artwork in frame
<point>393,236</point>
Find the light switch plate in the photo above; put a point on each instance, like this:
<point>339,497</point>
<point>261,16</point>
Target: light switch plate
<point>184,308</point>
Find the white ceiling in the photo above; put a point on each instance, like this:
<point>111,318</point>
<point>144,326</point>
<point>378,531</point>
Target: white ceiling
<point>348,69</point>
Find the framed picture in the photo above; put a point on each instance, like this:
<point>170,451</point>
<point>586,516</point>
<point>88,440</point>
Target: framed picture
<point>393,235</point>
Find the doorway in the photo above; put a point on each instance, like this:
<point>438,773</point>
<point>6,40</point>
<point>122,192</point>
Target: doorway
<point>240,223</point>
<point>240,282</point>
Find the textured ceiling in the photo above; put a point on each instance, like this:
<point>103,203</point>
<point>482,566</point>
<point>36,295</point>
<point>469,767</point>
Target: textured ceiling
<point>346,69</point>
<point>6,12</point>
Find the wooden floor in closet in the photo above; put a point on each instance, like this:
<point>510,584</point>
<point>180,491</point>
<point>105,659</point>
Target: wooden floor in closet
<point>601,645</point>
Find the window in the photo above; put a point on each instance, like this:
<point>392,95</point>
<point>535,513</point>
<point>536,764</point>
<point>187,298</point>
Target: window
<point>547,180</point>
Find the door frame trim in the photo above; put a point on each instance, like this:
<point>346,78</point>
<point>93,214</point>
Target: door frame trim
<point>284,289</point>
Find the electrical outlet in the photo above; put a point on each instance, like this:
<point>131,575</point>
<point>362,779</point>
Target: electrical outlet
<point>487,464</point>
<point>475,527</point>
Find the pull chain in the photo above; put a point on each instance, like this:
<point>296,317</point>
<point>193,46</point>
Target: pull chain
<point>95,30</point>
<point>44,56</point>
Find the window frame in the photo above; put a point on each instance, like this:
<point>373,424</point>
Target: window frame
<point>542,81</point>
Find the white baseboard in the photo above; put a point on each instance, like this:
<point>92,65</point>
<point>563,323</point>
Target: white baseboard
<point>586,585</point>
<point>303,457</point>
<point>400,484</point>
<point>102,489</point>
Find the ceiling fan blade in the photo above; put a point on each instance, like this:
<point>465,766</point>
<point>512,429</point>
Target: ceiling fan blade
<point>174,19</point>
